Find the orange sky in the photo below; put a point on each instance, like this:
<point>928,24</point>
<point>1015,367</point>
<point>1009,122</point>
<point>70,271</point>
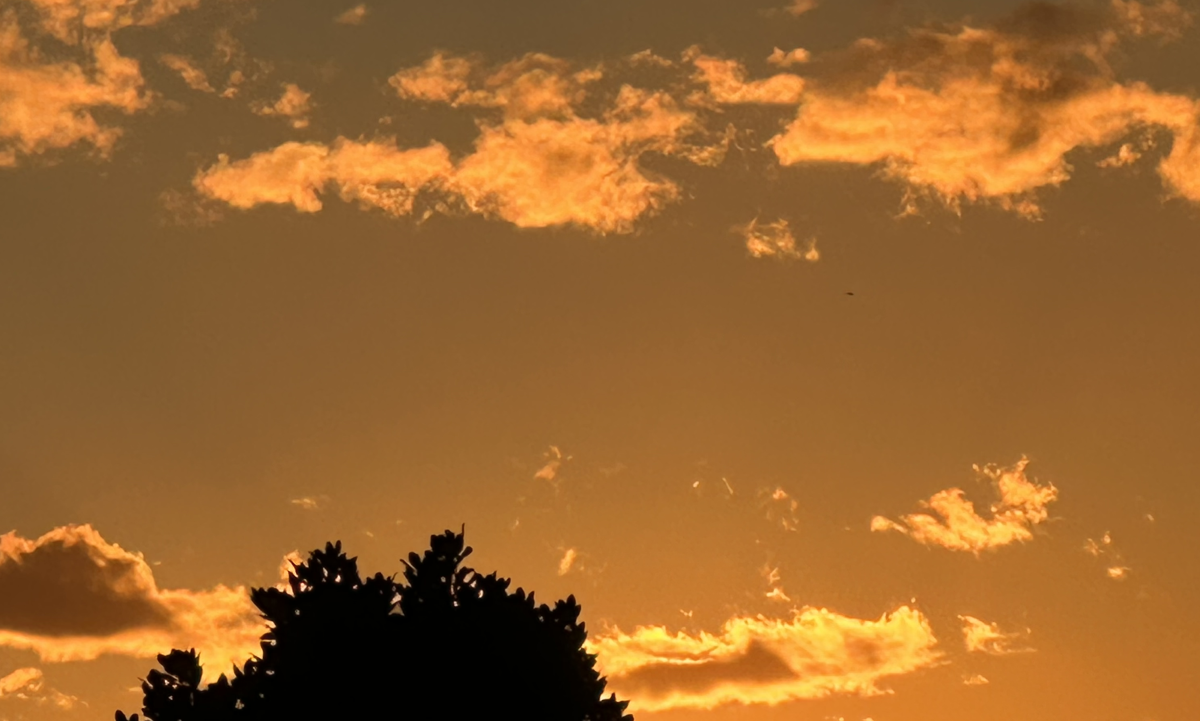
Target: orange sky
<point>840,358</point>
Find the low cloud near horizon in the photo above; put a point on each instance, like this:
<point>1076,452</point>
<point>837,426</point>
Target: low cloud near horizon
<point>70,595</point>
<point>759,660</point>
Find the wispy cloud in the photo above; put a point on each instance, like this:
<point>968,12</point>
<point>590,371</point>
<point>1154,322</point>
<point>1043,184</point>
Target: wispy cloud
<point>775,240</point>
<point>548,471</point>
<point>954,524</point>
<point>799,7</point>
<point>72,596</point>
<point>352,16</point>
<point>1103,550</point>
<point>781,507</point>
<point>567,561</point>
<point>758,660</point>
<point>194,77</point>
<point>983,637</point>
<point>308,503</point>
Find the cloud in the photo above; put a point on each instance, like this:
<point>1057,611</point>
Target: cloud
<point>954,523</point>
<point>549,470</point>
<point>307,503</point>
<point>972,114</point>
<point>758,660</point>
<point>578,171</point>
<point>294,105</point>
<point>49,105</point>
<point>772,577</point>
<point>72,20</point>
<point>727,83</point>
<point>28,684</point>
<point>775,240</point>
<point>353,16</point>
<point>195,78</point>
<point>72,596</point>
<point>373,174</point>
<point>535,85</point>
<point>975,680</point>
<point>536,162</point>
<point>1114,562</point>
<point>781,507</point>
<point>799,7</point>
<point>568,560</point>
<point>789,58</point>
<point>983,637</point>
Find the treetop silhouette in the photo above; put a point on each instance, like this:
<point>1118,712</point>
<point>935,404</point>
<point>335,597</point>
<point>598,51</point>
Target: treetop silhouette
<point>446,643</point>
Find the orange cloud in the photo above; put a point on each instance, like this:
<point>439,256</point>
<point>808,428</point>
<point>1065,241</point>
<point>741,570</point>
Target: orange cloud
<point>72,596</point>
<point>194,77</point>
<point>1114,562</point>
<point>70,20</point>
<point>954,523</point>
<point>775,240</point>
<point>727,83</point>
<point>568,560</point>
<point>789,58</point>
<point>28,684</point>
<point>294,105</point>
<point>758,660</point>
<point>352,16</point>
<point>372,173</point>
<point>538,164</point>
<point>983,637</point>
<point>535,85</point>
<point>799,7</point>
<point>49,105</point>
<point>976,114</point>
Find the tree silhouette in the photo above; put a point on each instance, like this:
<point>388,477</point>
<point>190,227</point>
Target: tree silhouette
<point>446,643</point>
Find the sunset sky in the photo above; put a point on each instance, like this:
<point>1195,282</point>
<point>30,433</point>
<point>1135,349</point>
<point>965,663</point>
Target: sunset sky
<point>840,356</point>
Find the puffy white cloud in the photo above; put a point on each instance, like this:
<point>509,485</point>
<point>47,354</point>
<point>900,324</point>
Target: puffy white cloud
<point>72,596</point>
<point>954,524</point>
<point>759,660</point>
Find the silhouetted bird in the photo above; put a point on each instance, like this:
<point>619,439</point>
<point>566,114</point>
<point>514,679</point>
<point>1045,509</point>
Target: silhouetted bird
<point>446,644</point>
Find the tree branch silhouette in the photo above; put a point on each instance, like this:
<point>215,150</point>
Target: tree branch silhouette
<point>446,643</point>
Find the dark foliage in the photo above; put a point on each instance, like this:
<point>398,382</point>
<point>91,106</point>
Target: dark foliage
<point>445,643</point>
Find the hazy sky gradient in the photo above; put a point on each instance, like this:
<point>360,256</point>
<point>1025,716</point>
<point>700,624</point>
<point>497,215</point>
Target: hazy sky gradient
<point>567,343</point>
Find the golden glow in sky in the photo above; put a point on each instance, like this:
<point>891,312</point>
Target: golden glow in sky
<point>839,357</point>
